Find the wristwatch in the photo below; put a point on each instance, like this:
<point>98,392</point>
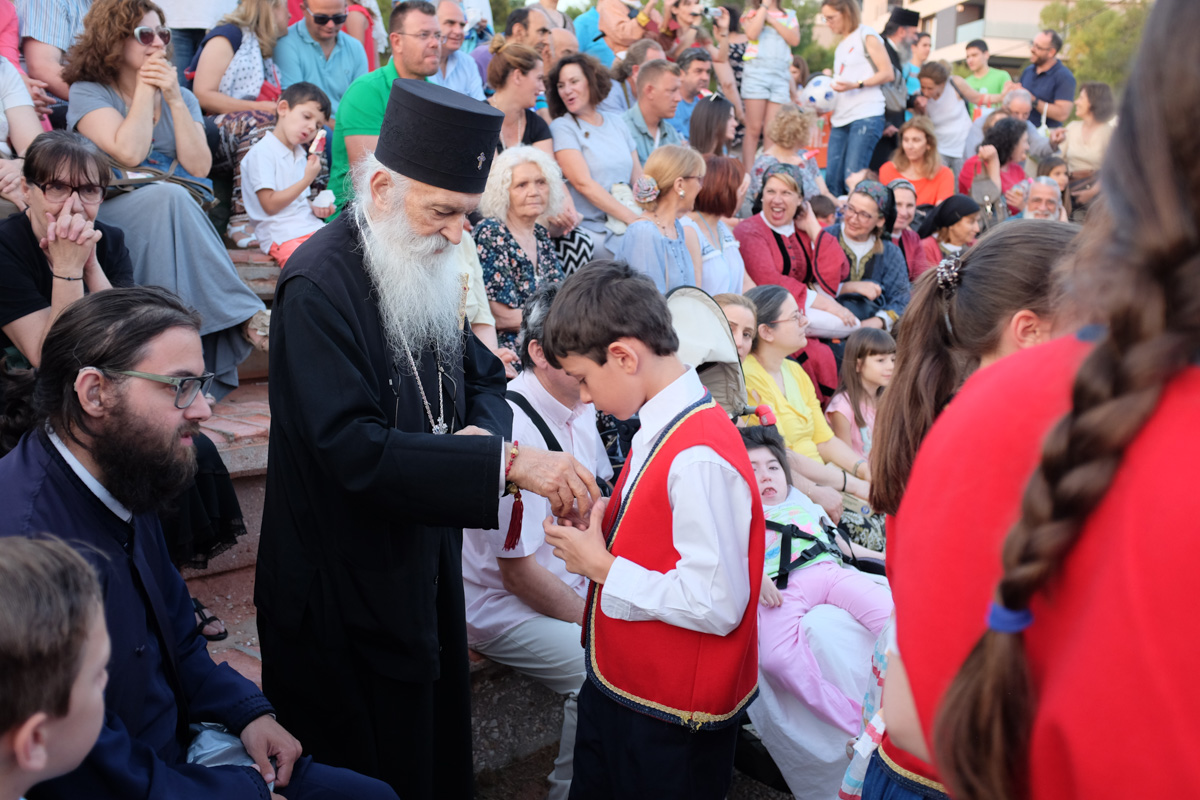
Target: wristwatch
<point>860,84</point>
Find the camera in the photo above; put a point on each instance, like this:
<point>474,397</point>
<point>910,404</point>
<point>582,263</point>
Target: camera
<point>713,13</point>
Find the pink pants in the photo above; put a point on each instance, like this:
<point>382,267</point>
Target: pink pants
<point>282,252</point>
<point>784,654</point>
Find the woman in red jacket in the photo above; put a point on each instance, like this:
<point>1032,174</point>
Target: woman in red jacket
<point>783,244</point>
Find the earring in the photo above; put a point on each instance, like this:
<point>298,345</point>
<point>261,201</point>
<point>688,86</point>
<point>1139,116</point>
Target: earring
<point>681,192</point>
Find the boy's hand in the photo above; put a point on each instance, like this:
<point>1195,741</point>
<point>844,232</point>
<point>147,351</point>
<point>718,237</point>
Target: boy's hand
<point>583,551</point>
<point>769,596</point>
<point>312,168</point>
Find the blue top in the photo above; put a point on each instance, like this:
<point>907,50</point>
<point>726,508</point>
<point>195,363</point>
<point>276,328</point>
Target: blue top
<point>682,121</point>
<point>888,269</point>
<point>665,261</point>
<point>300,58</point>
<point>138,753</point>
<point>607,148</point>
<point>587,28</point>
<point>646,141</point>
<point>1056,83</point>
<point>461,75</point>
<point>722,268</point>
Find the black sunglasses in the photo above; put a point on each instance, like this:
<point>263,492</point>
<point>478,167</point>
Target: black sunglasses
<point>145,35</point>
<point>321,20</point>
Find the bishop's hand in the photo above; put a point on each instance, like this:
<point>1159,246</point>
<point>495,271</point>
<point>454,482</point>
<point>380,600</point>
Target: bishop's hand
<point>558,477</point>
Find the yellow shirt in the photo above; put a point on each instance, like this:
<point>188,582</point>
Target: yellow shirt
<point>798,415</point>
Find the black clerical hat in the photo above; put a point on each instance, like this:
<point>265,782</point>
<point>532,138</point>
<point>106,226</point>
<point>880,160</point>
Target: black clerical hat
<point>904,17</point>
<point>438,136</point>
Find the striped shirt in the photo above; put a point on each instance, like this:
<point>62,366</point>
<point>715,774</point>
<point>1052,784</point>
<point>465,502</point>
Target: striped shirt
<point>53,22</point>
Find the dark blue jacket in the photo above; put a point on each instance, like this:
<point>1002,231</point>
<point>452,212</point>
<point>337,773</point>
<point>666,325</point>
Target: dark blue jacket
<point>139,753</point>
<point>888,269</point>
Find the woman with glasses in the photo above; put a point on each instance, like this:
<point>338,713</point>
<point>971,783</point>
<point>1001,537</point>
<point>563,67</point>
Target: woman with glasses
<point>657,244</point>
<point>126,98</point>
<point>53,254</point>
<point>877,289</point>
<point>238,85</point>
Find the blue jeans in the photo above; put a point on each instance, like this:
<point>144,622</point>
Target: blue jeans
<point>884,783</point>
<point>850,149</point>
<point>185,41</point>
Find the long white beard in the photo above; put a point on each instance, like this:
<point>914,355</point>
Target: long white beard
<point>418,287</point>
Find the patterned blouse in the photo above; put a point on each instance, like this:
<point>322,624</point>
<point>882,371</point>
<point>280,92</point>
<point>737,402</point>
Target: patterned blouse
<point>507,273</point>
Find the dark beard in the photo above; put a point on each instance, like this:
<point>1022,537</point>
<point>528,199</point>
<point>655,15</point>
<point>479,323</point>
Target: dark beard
<point>142,472</point>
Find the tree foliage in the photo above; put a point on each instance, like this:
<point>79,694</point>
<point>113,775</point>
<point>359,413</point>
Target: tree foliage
<point>1099,38</point>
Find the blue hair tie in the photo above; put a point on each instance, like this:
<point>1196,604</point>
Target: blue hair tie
<point>1005,620</point>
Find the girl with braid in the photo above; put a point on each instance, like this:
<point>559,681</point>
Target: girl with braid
<point>966,316</point>
<point>1046,638</point>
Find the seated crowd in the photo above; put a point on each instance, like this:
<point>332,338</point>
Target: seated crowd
<point>858,303</point>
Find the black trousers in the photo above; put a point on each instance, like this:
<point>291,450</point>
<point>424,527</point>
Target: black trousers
<point>621,753</point>
<point>416,737</point>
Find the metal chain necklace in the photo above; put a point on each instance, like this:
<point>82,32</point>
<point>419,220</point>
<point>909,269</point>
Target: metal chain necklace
<point>440,426</point>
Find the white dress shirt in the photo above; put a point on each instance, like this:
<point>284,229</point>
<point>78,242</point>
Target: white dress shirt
<point>711,505</point>
<point>492,609</point>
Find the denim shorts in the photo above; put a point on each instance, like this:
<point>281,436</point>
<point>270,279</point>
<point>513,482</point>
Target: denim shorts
<point>767,80</point>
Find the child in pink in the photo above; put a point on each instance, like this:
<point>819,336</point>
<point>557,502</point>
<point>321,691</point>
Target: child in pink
<point>811,574</point>
<point>867,366</point>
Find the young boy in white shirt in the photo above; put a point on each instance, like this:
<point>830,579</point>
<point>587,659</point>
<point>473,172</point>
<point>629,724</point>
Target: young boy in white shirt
<point>54,651</point>
<point>278,170</point>
<point>675,557</point>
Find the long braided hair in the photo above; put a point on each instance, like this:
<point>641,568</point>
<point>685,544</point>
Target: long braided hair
<point>1143,259</point>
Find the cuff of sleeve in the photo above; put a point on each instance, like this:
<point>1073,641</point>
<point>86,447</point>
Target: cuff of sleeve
<point>623,578</point>
<point>246,711</point>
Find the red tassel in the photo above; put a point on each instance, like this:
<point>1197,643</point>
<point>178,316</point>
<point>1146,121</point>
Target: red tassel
<point>514,524</point>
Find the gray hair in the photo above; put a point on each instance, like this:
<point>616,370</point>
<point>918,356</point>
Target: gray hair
<point>1016,94</point>
<point>1046,180</point>
<point>360,176</point>
<point>495,201</point>
<point>533,319</point>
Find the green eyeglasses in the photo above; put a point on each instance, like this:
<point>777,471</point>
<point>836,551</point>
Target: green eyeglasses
<point>186,387</point>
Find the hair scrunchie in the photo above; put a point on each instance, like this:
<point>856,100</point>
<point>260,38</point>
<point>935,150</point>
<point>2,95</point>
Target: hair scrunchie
<point>645,189</point>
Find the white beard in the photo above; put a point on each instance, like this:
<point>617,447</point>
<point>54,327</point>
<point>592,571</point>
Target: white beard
<point>418,287</point>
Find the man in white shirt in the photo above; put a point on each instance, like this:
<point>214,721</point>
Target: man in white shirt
<point>523,608</point>
<point>456,70</point>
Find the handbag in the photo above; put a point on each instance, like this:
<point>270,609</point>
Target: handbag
<point>214,746</point>
<point>151,170</point>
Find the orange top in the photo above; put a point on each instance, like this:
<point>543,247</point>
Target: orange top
<point>930,191</point>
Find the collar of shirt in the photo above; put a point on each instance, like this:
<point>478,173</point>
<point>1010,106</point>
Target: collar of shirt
<point>783,230</point>
<point>88,479</point>
<point>281,150</point>
<point>659,410</point>
<point>557,416</point>
<point>456,62</point>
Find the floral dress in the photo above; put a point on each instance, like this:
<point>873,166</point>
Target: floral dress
<point>508,275</point>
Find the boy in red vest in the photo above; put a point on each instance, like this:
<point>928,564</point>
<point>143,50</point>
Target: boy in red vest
<point>675,558</point>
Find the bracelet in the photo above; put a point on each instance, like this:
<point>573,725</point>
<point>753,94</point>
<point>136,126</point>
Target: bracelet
<point>513,452</point>
<point>844,479</point>
<point>858,464</point>
<point>642,19</point>
<point>64,277</point>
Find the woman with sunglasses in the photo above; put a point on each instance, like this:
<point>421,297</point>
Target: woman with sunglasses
<point>125,97</point>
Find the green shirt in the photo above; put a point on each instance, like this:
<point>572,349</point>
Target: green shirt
<point>359,114</point>
<point>991,83</point>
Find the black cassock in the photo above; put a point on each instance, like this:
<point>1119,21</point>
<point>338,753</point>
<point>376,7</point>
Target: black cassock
<point>359,581</point>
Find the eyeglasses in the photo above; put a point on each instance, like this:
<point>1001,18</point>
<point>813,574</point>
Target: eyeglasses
<point>423,36</point>
<point>793,318</point>
<point>186,388</point>
<point>1038,47</point>
<point>321,20</point>
<point>864,216</point>
<point>145,35</point>
<point>57,192</point>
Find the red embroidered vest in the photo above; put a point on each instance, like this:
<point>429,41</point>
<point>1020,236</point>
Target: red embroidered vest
<point>700,680</point>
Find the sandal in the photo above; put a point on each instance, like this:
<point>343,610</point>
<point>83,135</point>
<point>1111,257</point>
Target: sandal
<point>242,236</point>
<point>257,330</point>
<point>207,619</point>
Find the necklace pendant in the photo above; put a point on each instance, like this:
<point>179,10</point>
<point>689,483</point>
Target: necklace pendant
<point>441,426</point>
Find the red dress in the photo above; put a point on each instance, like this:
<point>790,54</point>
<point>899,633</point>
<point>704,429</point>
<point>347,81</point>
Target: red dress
<point>1110,647</point>
<point>794,266</point>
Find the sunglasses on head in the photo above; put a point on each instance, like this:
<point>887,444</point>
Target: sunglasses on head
<point>145,35</point>
<point>321,20</point>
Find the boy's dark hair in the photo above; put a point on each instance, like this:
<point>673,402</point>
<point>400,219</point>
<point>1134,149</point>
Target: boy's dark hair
<point>48,597</point>
<point>978,44</point>
<point>821,205</point>
<point>765,436</point>
<point>67,154</point>
<point>601,303</point>
<point>303,92</point>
